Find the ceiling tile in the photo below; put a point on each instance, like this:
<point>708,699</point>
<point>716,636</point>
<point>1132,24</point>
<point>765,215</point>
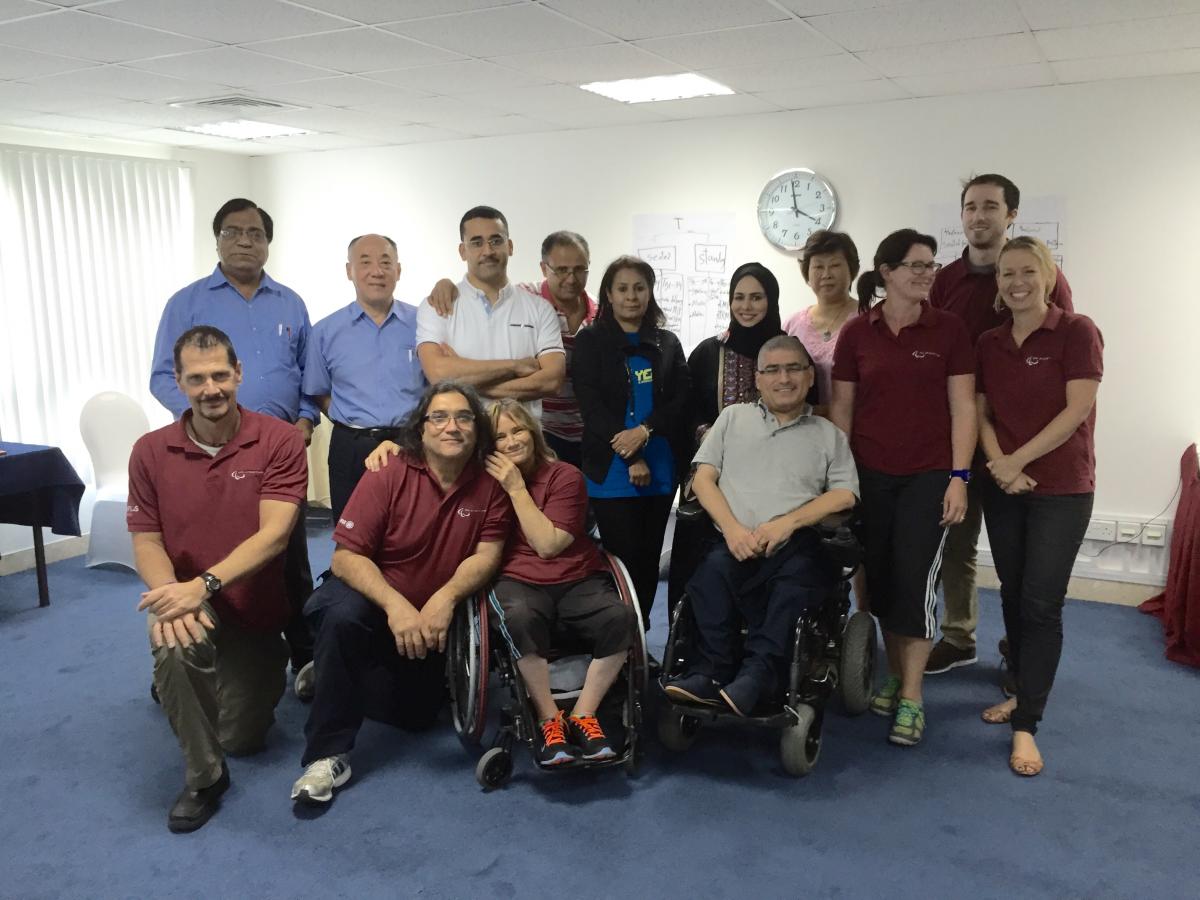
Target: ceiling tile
<point>435,111</point>
<point>17,9</point>
<point>160,115</point>
<point>127,84</point>
<point>500,32</point>
<point>88,36</point>
<point>225,21</point>
<point>490,126</point>
<point>231,66</point>
<point>1143,36</point>
<point>354,51</point>
<point>602,117</point>
<point>342,121</point>
<point>315,142</point>
<point>634,19</point>
<point>73,125</point>
<point>931,21</point>
<point>1043,14</point>
<point>705,107</point>
<point>179,138</point>
<point>606,62</point>
<point>345,90</point>
<point>1034,75</point>
<point>1134,65</point>
<point>18,64</point>
<point>820,7</point>
<point>539,99</point>
<point>410,134</point>
<point>955,56</point>
<point>375,12</point>
<point>39,98</point>
<point>802,73</point>
<point>738,46</point>
<point>467,76</point>
<point>836,94</point>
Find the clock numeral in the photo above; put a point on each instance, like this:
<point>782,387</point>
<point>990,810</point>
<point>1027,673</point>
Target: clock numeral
<point>818,195</point>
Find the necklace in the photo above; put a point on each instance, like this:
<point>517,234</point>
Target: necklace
<point>832,325</point>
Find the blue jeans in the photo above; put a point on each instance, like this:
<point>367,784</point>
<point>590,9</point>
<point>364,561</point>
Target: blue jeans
<point>768,594</point>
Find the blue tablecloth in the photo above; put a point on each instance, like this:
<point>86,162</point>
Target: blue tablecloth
<point>38,487</point>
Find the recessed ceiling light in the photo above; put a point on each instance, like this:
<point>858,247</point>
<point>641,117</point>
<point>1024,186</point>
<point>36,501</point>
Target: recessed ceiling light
<point>658,87</point>
<point>245,130</point>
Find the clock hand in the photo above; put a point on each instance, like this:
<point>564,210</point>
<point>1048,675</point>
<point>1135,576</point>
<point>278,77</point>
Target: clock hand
<point>808,216</point>
<point>795,202</point>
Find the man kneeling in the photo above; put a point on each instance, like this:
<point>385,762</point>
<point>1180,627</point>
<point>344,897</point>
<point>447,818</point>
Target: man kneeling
<point>766,473</point>
<point>414,539</point>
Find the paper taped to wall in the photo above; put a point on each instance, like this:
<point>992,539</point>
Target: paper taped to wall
<point>1041,217</point>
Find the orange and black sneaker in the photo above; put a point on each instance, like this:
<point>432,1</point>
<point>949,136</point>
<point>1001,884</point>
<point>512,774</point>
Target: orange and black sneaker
<point>555,749</point>
<point>586,734</point>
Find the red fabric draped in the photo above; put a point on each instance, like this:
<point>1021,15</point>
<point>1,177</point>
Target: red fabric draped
<point>1179,605</point>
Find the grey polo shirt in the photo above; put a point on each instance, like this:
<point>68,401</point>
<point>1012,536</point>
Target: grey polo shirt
<point>767,469</point>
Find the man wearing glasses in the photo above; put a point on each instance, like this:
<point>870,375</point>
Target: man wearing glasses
<point>499,338</point>
<point>269,325</point>
<point>766,472</point>
<point>417,537</point>
<point>565,263</point>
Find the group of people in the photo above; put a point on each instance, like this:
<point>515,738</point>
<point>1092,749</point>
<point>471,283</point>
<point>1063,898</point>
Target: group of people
<point>476,436</point>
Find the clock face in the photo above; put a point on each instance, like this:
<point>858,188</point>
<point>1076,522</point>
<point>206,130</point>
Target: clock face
<point>793,205</point>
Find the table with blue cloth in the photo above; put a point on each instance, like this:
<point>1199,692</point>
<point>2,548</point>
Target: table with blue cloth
<point>39,488</point>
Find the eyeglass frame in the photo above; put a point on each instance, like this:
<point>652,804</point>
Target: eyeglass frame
<point>233,233</point>
<point>464,418</point>
<point>773,370</point>
<point>580,272</point>
<point>492,243</point>
<point>925,266</point>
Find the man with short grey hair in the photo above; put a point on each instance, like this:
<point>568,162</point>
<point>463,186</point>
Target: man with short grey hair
<point>766,473</point>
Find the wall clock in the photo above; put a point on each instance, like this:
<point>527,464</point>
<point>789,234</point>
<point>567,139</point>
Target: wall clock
<point>793,205</point>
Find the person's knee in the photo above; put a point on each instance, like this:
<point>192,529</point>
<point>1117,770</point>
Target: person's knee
<point>199,654</point>
<point>527,629</point>
<point>615,627</point>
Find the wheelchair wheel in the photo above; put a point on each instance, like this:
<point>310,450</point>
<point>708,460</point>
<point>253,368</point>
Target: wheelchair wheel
<point>494,768</point>
<point>800,744</point>
<point>856,667</point>
<point>676,730</point>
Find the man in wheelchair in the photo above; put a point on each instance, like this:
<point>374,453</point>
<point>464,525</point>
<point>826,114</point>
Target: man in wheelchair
<point>766,473</point>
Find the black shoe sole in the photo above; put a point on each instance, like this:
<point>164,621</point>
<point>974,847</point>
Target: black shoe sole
<point>187,826</point>
<point>678,693</point>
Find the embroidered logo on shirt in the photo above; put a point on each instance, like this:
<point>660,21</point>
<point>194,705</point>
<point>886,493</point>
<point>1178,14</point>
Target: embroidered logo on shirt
<point>133,508</point>
<point>1034,360</point>
<point>644,376</point>
<point>465,512</point>
<point>239,474</point>
<point>921,354</point>
<point>347,524</point>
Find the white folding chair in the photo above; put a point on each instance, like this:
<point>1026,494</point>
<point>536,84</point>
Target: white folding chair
<point>110,424</point>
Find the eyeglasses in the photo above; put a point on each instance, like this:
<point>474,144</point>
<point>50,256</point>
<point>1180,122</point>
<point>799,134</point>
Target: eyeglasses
<point>257,235</point>
<point>440,419</point>
<point>495,241</point>
<point>920,268</point>
<point>580,272</point>
<point>790,368</point>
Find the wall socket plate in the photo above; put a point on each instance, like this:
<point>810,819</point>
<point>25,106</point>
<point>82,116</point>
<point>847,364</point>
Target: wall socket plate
<point>1128,532</point>
<point>1101,530</point>
<point>1155,535</point>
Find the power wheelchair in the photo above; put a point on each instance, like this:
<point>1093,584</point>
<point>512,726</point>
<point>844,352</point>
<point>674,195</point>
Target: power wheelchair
<point>833,652</point>
<point>478,663</point>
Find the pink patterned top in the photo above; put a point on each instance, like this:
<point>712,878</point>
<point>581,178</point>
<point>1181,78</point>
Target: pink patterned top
<point>818,346</point>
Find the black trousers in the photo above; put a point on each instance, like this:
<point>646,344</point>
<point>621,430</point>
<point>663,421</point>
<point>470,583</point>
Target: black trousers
<point>692,539</point>
<point>1034,540</point>
<point>632,529</point>
<point>567,451</point>
<point>360,674</point>
<point>298,583</point>
<point>348,449</point>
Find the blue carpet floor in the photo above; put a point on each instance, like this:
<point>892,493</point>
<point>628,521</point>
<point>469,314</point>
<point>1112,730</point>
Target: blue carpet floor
<point>90,768</point>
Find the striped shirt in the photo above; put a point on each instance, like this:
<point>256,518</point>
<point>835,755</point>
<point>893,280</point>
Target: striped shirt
<point>560,414</point>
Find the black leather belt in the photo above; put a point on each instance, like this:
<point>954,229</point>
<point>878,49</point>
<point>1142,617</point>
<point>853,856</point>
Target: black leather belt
<point>390,433</point>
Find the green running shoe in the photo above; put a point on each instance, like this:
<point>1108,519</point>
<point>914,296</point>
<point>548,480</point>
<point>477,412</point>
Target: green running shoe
<point>909,724</point>
<point>883,701</point>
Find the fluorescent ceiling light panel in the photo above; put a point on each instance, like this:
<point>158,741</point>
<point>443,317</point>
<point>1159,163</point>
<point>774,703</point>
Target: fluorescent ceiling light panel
<point>245,130</point>
<point>658,87</point>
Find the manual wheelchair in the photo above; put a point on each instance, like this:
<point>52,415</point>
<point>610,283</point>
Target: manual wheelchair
<point>833,651</point>
<point>478,662</point>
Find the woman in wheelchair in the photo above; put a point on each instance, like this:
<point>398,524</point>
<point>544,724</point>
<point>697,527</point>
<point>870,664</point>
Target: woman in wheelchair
<point>553,583</point>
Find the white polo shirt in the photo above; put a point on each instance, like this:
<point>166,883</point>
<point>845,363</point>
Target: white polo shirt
<point>520,325</point>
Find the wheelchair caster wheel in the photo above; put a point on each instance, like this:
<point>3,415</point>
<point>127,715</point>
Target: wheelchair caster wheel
<point>800,744</point>
<point>856,665</point>
<point>494,768</point>
<point>676,730</point>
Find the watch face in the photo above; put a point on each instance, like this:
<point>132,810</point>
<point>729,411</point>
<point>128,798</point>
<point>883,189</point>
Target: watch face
<point>793,205</point>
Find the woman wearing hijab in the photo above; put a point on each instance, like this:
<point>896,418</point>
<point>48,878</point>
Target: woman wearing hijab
<point>722,371</point>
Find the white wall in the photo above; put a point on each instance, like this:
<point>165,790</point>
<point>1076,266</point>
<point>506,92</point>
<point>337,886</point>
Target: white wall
<point>216,178</point>
<point>1122,153</point>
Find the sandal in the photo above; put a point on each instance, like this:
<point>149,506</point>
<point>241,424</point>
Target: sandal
<point>1000,714</point>
<point>1026,768</point>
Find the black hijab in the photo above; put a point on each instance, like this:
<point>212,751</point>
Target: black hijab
<point>748,341</point>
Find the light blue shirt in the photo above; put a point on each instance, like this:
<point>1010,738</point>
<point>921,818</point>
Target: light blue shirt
<point>370,372</point>
<point>269,334</point>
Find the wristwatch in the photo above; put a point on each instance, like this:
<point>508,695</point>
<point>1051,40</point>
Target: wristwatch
<point>964,474</point>
<point>212,583</point>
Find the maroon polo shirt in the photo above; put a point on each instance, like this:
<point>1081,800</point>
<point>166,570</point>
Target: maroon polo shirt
<point>970,293</point>
<point>559,491</point>
<point>416,533</point>
<point>204,506</point>
<point>901,407</point>
<point>1026,388</point>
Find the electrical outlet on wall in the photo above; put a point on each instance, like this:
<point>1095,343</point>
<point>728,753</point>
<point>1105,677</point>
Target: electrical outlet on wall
<point>1101,530</point>
<point>1128,532</point>
<point>1155,535</point>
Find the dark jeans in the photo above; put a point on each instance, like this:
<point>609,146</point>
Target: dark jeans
<point>689,543</point>
<point>1034,539</point>
<point>360,674</point>
<point>632,529</point>
<point>348,449</point>
<point>767,594</point>
<point>298,582</point>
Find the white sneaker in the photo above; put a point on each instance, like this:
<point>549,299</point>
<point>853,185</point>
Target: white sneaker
<point>320,778</point>
<point>305,683</point>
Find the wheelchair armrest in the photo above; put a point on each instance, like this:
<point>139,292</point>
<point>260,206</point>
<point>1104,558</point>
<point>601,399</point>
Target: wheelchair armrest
<point>838,539</point>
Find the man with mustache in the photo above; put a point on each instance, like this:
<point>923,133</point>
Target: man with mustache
<point>212,500</point>
<point>499,338</point>
<point>415,539</point>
